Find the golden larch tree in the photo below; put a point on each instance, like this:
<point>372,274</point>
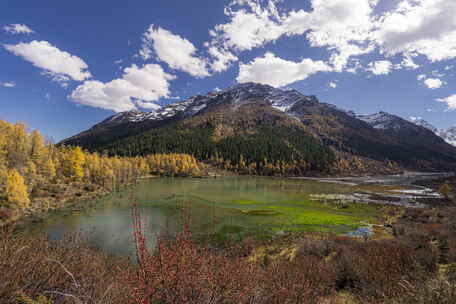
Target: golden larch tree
<point>77,159</point>
<point>16,190</point>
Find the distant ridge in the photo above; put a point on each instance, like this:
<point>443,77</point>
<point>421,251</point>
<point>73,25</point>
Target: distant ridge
<point>247,118</point>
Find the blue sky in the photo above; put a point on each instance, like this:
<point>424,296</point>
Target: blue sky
<point>66,65</point>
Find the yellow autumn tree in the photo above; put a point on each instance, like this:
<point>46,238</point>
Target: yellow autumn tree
<point>37,147</point>
<point>48,169</point>
<point>77,159</point>
<point>16,190</point>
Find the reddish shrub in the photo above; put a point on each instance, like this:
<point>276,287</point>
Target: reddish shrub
<point>373,270</point>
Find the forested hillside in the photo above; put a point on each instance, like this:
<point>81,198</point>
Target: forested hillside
<point>36,175</point>
<point>252,138</point>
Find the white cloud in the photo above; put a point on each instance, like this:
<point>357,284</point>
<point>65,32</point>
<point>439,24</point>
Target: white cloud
<point>433,83</point>
<point>9,84</point>
<point>382,67</point>
<point>332,84</point>
<point>408,63</point>
<point>249,27</point>
<point>450,101</point>
<point>177,52</point>
<point>278,72</point>
<point>342,26</point>
<point>137,87</point>
<point>223,59</point>
<point>62,80</point>
<point>148,105</point>
<point>49,58</point>
<point>426,27</point>
<point>346,29</point>
<point>421,77</point>
<point>436,73</point>
<point>18,29</point>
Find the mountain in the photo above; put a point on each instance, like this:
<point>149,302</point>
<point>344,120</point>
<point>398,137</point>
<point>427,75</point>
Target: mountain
<point>449,135</point>
<point>264,127</point>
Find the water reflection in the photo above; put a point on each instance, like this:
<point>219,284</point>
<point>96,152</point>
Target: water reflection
<point>214,207</point>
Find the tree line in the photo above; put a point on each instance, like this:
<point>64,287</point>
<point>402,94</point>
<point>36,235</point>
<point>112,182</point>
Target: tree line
<point>29,164</point>
<point>268,150</point>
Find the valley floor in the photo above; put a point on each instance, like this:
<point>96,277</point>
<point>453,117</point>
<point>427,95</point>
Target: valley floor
<point>414,263</point>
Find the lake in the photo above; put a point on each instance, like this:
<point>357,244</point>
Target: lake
<point>224,206</point>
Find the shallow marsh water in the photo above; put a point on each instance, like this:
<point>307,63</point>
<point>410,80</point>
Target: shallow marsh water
<point>220,205</point>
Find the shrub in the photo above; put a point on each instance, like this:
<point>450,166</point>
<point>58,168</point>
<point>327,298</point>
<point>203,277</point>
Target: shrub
<point>60,271</point>
<point>374,269</point>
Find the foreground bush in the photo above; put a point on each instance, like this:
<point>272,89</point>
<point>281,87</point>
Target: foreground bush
<point>183,271</point>
<point>317,269</point>
<point>65,272</point>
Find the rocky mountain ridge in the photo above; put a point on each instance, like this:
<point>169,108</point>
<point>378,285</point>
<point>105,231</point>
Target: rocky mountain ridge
<point>449,135</point>
<point>245,112</point>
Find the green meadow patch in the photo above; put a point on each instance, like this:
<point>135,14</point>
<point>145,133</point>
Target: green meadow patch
<point>308,215</point>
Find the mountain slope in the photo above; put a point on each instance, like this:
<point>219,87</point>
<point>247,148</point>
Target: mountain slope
<point>449,135</point>
<point>421,145</point>
<point>266,127</point>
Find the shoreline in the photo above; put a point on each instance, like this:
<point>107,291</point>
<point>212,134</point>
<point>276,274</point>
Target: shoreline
<point>89,199</point>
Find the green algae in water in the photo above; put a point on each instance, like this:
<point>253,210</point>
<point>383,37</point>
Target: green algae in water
<point>224,206</point>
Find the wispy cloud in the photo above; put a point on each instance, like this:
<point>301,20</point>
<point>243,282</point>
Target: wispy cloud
<point>17,29</point>
<point>8,84</point>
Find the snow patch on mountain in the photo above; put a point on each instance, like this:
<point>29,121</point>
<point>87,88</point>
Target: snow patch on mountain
<point>282,100</point>
<point>449,135</point>
<point>383,121</point>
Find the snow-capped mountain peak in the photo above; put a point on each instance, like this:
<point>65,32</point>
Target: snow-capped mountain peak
<point>383,120</point>
<point>282,100</point>
<point>423,123</point>
<point>449,135</point>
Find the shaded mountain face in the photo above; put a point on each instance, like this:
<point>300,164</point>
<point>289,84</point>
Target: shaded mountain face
<point>261,122</point>
<point>449,135</point>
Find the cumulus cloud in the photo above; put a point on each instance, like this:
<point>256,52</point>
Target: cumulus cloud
<point>17,29</point>
<point>177,52</point>
<point>49,58</point>
<point>138,87</point>
<point>347,29</point>
<point>342,26</point>
<point>8,84</point>
<point>421,27</point>
<point>450,101</point>
<point>382,67</point>
<point>223,59</point>
<point>278,72</point>
<point>249,27</point>
<point>433,83</point>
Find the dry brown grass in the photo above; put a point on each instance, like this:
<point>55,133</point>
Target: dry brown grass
<point>66,271</point>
